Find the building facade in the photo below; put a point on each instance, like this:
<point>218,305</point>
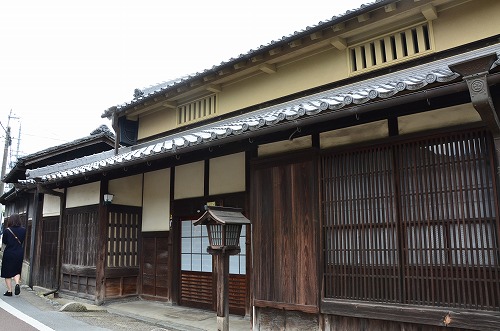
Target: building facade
<point>363,149</point>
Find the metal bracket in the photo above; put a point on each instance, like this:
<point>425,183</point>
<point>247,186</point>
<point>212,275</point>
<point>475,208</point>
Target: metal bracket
<point>475,73</point>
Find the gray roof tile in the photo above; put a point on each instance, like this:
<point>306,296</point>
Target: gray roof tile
<point>335,99</point>
<point>155,89</point>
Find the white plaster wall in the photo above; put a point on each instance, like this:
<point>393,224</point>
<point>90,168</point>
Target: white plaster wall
<point>156,205</point>
<point>127,190</point>
<point>82,195</point>
<point>189,179</point>
<point>227,174</point>
<point>51,205</point>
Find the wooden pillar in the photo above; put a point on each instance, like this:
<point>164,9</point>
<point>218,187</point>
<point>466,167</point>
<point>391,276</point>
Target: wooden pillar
<point>100,288</point>
<point>222,274</point>
<point>35,224</point>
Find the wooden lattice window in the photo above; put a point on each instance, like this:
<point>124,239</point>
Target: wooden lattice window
<point>413,223</point>
<point>123,236</point>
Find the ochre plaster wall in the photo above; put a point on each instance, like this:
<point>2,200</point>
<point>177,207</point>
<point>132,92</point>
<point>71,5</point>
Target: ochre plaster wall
<point>83,195</point>
<point>227,174</point>
<point>156,207</point>
<point>189,180</point>
<point>157,122</point>
<point>127,190</point>
<point>315,70</point>
<point>285,146</point>
<point>354,134</point>
<point>454,27</point>
<point>439,118</point>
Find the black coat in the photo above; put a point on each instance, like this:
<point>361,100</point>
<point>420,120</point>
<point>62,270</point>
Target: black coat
<point>12,261</point>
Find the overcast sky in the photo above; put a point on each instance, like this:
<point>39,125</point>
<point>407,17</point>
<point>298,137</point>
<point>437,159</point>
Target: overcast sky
<point>63,63</point>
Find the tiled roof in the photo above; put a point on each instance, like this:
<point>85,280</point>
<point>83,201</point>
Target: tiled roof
<point>38,158</point>
<point>101,131</point>
<point>334,100</point>
<point>156,89</point>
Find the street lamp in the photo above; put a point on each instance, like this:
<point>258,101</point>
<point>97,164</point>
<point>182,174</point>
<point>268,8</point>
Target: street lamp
<point>224,228</point>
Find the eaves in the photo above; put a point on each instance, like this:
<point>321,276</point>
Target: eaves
<point>367,95</point>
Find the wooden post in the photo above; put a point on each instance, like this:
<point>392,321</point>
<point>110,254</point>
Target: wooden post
<point>100,286</point>
<point>222,271</point>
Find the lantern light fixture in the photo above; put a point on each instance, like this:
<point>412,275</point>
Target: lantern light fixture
<point>224,226</point>
<point>108,198</point>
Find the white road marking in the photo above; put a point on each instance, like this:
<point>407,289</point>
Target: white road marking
<point>19,314</point>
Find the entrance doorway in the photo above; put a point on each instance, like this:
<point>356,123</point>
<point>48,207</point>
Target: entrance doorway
<point>197,280</point>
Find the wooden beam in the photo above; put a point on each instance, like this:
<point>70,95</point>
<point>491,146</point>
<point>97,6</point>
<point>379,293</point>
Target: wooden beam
<point>311,309</point>
<point>422,315</point>
<point>214,88</point>
<point>195,83</point>
<point>429,12</point>
<point>295,43</point>
<point>390,7</point>
<point>316,35</point>
<point>169,104</point>
<point>339,27</point>
<point>363,17</point>
<point>240,65</point>
<point>224,71</point>
<point>268,68</point>
<point>275,51</point>
<point>208,78</point>
<point>257,58</point>
<point>339,43</point>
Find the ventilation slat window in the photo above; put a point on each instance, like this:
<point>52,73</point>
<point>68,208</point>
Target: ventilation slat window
<point>196,110</point>
<point>378,48</point>
<point>399,46</point>
<point>410,45</point>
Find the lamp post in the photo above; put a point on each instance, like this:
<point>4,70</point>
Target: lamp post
<point>224,228</point>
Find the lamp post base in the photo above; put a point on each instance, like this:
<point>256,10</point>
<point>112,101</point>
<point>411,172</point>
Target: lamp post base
<point>223,323</point>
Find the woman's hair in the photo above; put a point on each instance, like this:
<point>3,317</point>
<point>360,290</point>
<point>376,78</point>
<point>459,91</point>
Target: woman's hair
<point>14,220</point>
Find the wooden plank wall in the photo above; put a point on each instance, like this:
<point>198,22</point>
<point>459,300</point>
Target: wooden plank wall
<point>284,214</point>
<point>79,253</point>
<point>48,256</point>
<point>123,242</point>
<point>154,265</point>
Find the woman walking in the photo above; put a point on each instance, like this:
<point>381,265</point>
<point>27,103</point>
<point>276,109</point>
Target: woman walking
<point>12,261</point>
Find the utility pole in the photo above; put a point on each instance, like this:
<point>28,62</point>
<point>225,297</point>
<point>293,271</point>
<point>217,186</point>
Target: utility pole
<point>5,152</point>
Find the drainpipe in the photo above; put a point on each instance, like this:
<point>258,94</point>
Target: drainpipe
<point>114,125</point>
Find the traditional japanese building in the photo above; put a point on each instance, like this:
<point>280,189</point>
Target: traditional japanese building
<point>364,151</point>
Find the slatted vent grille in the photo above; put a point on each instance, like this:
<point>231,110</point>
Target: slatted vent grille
<point>197,110</point>
<point>404,44</point>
